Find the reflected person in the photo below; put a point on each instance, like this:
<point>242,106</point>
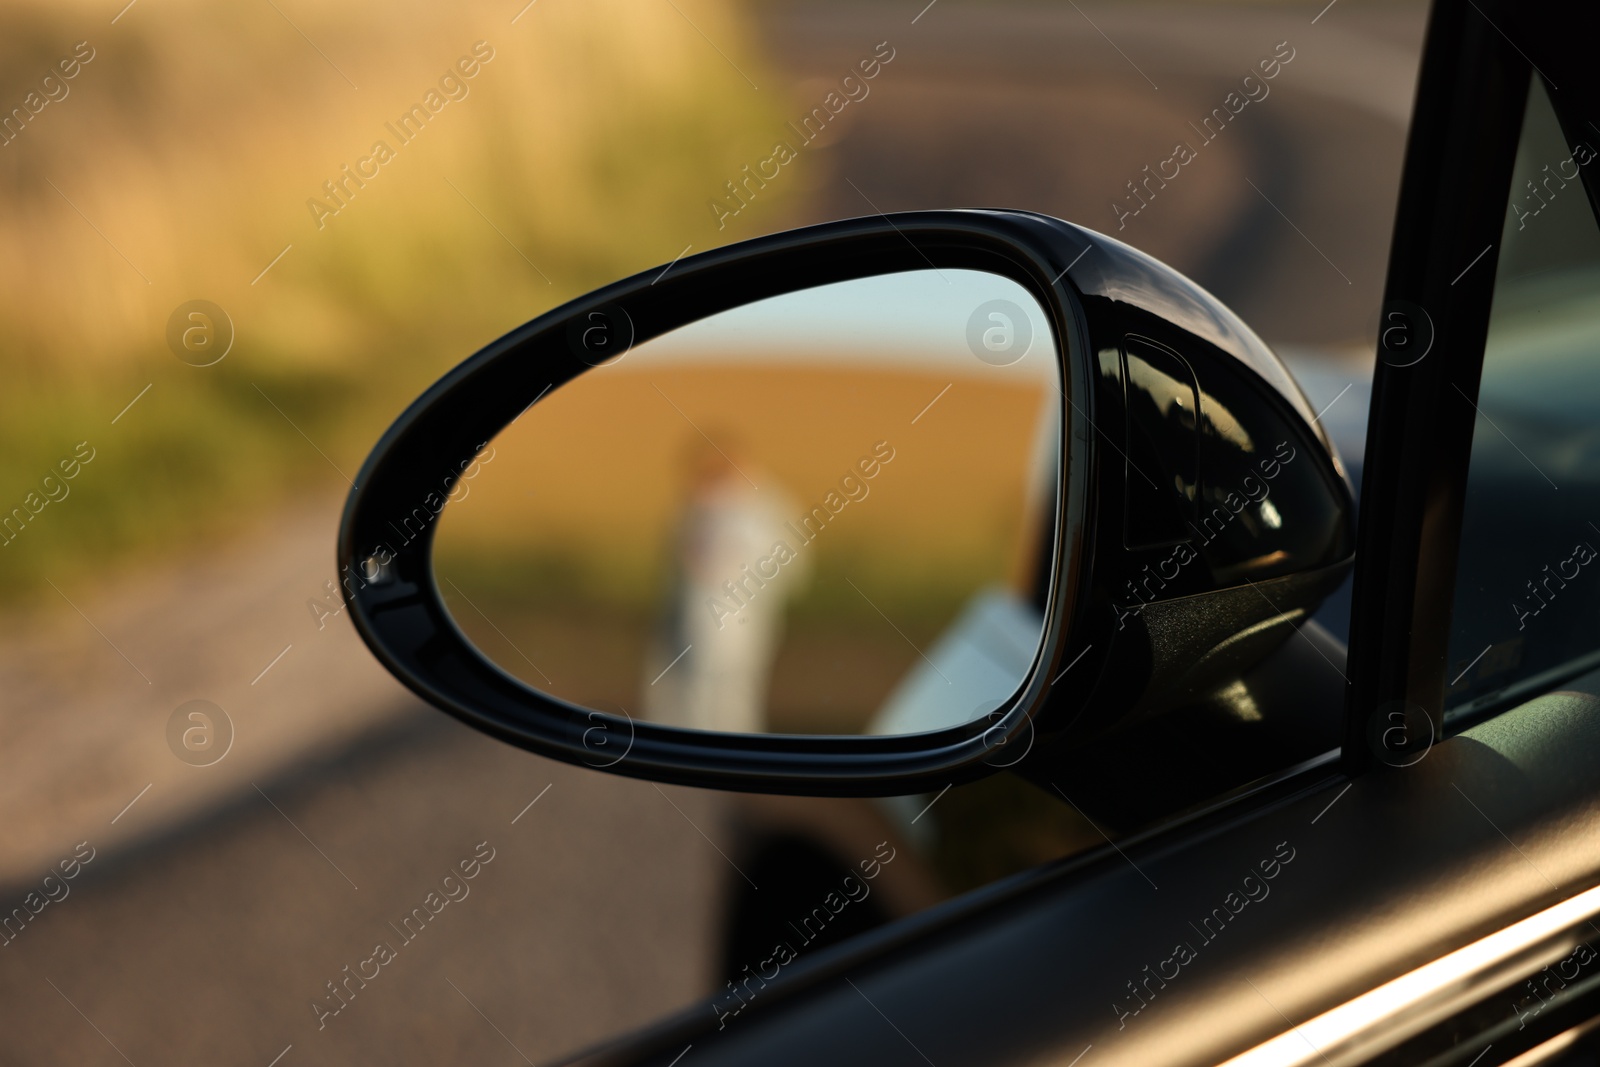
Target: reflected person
<point>711,660</point>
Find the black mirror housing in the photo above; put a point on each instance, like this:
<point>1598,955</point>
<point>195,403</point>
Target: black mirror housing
<point>1201,515</point>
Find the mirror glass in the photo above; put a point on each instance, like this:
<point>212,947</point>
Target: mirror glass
<point>827,512</point>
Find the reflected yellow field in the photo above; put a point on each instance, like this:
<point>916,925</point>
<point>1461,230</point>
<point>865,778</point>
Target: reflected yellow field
<point>596,468</point>
<point>575,518</point>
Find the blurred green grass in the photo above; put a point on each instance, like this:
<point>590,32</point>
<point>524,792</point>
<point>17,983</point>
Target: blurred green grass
<point>591,142</point>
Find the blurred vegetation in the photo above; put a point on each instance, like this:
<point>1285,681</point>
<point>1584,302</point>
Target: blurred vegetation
<point>588,147</point>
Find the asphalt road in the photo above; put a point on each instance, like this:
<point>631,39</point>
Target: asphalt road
<point>218,906</point>
<point>212,944</point>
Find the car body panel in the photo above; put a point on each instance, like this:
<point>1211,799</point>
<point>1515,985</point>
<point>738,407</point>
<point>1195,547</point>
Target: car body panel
<point>1386,872</point>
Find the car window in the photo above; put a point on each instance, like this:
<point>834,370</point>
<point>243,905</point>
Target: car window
<point>1526,612</point>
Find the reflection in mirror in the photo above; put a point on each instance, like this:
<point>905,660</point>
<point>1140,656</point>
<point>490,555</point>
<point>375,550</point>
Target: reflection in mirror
<point>827,512</point>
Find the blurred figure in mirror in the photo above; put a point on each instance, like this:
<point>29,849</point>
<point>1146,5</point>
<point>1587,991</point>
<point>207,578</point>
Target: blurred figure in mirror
<point>733,567</point>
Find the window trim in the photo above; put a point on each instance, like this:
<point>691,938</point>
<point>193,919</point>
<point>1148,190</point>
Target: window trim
<point>1460,152</point>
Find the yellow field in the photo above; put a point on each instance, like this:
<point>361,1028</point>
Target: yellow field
<point>597,466</point>
<point>558,561</point>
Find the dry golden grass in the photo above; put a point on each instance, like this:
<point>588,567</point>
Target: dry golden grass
<point>597,470</point>
<point>180,163</point>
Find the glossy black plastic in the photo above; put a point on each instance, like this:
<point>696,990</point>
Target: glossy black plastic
<point>1453,196</point>
<point>1111,612</point>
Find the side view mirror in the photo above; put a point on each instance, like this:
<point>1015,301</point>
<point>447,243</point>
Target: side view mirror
<point>863,508</point>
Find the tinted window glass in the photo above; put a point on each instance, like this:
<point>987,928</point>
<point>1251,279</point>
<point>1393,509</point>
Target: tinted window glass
<point>1526,610</point>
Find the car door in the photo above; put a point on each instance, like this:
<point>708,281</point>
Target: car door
<point>1428,897</point>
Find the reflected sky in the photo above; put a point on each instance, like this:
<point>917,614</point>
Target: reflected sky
<point>921,317</point>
